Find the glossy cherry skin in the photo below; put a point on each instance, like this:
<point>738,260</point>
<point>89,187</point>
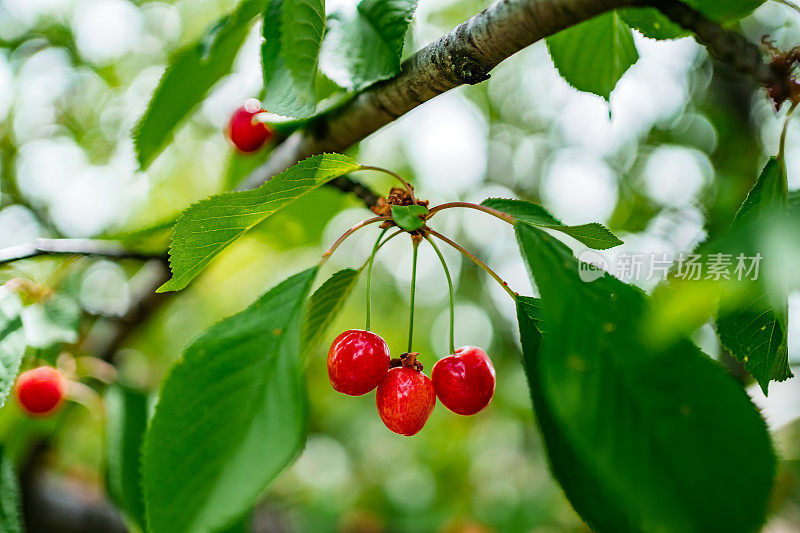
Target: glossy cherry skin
<point>464,381</point>
<point>357,361</point>
<point>40,391</point>
<point>247,134</point>
<point>405,400</point>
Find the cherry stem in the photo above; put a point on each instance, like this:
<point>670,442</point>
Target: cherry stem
<point>450,287</point>
<point>369,274</point>
<point>782,144</point>
<point>415,245</point>
<point>349,232</point>
<point>494,212</point>
<point>395,175</point>
<point>475,260</point>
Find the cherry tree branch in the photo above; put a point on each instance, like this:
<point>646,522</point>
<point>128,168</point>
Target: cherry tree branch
<point>464,56</point>
<point>467,54</point>
<point>726,46</point>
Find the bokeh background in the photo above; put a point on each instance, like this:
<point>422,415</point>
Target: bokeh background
<point>664,165</point>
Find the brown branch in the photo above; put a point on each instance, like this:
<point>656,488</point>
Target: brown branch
<point>346,184</point>
<point>463,56</point>
<point>729,47</point>
<point>469,52</point>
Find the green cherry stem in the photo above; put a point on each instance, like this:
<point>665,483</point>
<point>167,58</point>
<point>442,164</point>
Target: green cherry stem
<point>387,239</point>
<point>369,274</point>
<point>415,244</point>
<point>450,287</point>
<point>475,260</point>
<point>349,232</point>
<point>784,131</point>
<point>396,176</point>
<point>494,212</point>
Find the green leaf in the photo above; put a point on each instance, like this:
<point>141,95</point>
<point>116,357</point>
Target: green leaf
<point>208,226</point>
<point>293,32</point>
<point>650,22</point>
<point>409,217</point>
<point>12,341</point>
<point>727,11</point>
<point>593,55</point>
<point>365,44</point>
<point>794,205</point>
<point>192,72</point>
<point>654,24</point>
<point>325,304</point>
<point>641,439</point>
<point>231,415</point>
<point>126,423</point>
<point>767,197</point>
<point>10,507</point>
<point>756,332</point>
<point>593,235</point>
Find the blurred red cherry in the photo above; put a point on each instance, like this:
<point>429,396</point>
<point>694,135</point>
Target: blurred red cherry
<point>245,132</point>
<point>40,391</point>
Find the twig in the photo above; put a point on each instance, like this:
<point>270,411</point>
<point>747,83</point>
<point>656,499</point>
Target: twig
<point>346,184</point>
<point>463,56</point>
<point>349,232</point>
<point>725,45</point>
<point>73,247</point>
<point>469,52</point>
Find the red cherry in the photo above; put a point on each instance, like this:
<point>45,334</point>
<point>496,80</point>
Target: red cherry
<point>357,361</point>
<point>40,391</point>
<point>247,134</point>
<point>405,400</point>
<point>464,381</point>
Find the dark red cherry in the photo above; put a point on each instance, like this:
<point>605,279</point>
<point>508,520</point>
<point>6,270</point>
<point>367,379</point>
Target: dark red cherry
<point>357,361</point>
<point>464,381</point>
<point>40,391</point>
<point>405,400</point>
<point>245,132</point>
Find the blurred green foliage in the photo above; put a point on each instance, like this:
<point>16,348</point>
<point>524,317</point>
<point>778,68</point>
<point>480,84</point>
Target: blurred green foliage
<point>67,168</point>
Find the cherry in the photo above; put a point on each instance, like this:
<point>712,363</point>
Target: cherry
<point>357,361</point>
<point>464,381</point>
<point>246,133</point>
<point>405,398</point>
<point>40,390</point>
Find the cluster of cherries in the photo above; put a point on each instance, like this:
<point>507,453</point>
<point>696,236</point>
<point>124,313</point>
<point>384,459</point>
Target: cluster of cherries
<point>41,390</point>
<point>245,130</point>
<point>359,361</point>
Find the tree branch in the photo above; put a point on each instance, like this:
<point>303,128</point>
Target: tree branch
<point>726,46</point>
<point>346,184</point>
<point>469,52</point>
<point>73,247</point>
<point>463,56</point>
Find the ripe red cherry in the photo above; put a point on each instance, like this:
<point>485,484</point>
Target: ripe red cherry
<point>405,400</point>
<point>246,133</point>
<point>40,391</point>
<point>357,361</point>
<point>464,381</point>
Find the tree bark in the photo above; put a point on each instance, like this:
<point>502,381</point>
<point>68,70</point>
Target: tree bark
<point>465,55</point>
